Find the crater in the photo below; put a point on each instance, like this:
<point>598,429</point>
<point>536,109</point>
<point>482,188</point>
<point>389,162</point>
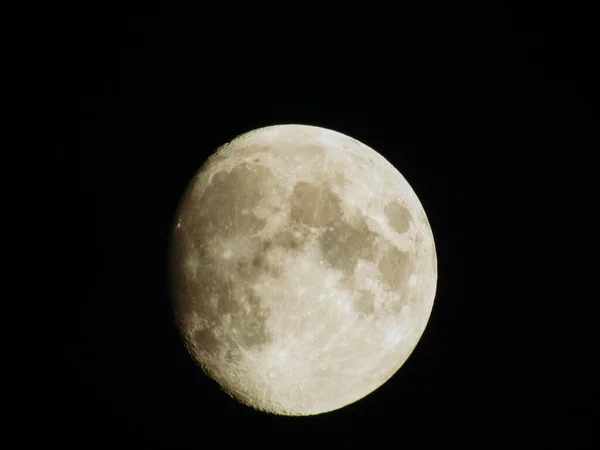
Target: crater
<point>398,216</point>
<point>314,205</point>
<point>232,355</point>
<point>343,244</point>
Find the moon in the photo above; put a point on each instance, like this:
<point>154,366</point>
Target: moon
<point>303,269</point>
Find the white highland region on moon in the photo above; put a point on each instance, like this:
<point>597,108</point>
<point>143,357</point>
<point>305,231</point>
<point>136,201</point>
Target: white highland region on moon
<point>304,269</point>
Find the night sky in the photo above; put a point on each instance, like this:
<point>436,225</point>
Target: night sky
<point>152,102</point>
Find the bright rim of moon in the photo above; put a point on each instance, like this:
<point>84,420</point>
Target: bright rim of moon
<point>304,269</point>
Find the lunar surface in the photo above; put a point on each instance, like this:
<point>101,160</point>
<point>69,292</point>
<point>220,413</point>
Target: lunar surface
<point>303,267</point>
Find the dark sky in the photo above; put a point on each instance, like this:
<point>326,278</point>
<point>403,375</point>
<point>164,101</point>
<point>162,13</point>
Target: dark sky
<point>448,109</point>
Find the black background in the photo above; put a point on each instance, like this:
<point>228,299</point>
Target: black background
<point>450,105</point>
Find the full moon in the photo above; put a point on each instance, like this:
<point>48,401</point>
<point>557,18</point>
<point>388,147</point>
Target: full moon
<point>303,268</point>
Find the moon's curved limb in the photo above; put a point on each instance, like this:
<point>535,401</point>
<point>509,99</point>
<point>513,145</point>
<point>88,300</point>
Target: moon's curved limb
<point>304,269</point>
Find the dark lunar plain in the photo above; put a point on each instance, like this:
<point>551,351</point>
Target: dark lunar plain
<point>451,108</point>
